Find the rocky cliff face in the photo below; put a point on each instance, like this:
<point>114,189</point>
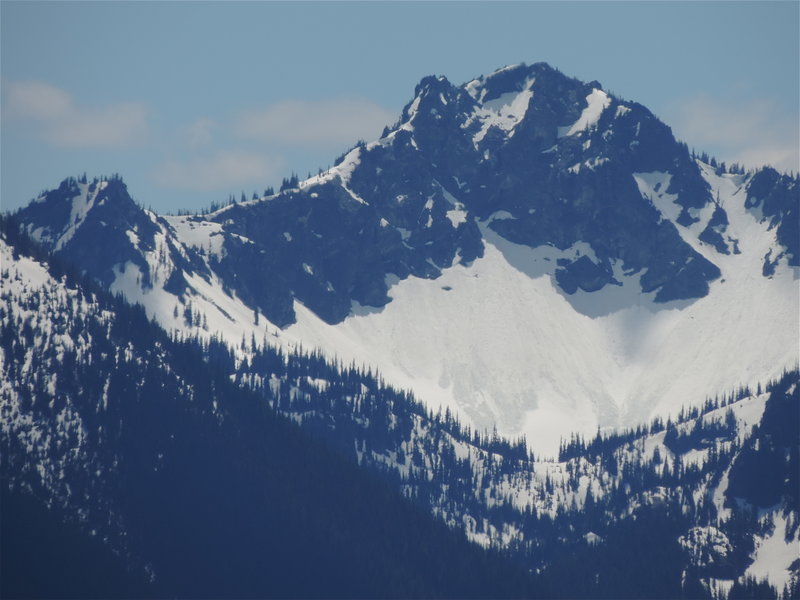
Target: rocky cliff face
<point>539,158</point>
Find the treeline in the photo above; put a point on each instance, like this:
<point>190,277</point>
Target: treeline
<point>603,443</point>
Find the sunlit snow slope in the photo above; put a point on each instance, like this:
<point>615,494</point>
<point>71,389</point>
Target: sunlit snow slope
<point>500,343</point>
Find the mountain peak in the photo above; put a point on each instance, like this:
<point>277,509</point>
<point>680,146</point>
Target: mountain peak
<point>570,200</point>
<point>521,77</point>
<point>81,216</point>
<point>432,82</point>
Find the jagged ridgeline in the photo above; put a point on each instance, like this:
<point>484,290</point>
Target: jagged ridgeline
<point>525,249</point>
<point>527,254</point>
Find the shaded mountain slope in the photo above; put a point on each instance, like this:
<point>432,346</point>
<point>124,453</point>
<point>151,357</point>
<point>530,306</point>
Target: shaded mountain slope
<point>151,444</point>
<point>178,483</point>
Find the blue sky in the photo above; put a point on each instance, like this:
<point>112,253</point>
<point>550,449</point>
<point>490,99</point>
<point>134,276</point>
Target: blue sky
<point>192,101</point>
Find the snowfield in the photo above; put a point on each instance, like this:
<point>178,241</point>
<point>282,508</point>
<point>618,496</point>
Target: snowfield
<point>498,342</point>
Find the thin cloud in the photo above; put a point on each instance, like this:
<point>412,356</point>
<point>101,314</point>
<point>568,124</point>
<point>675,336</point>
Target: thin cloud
<point>753,134</point>
<point>316,123</point>
<point>200,132</point>
<point>225,170</point>
<point>63,124</point>
<point>38,100</point>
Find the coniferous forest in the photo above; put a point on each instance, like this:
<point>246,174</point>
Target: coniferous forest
<point>188,485</point>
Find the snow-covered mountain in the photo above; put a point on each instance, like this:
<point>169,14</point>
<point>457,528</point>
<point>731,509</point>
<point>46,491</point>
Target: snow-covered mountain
<point>163,454</point>
<point>524,249</point>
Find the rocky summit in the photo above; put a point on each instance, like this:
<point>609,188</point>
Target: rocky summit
<point>617,268</point>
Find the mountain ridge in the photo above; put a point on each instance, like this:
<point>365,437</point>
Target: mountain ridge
<point>582,204</point>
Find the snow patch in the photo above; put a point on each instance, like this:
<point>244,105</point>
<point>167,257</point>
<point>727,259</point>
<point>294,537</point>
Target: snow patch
<point>457,216</point>
<point>82,203</point>
<point>596,102</point>
<point>198,233</point>
<point>774,554</point>
<point>504,112</point>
